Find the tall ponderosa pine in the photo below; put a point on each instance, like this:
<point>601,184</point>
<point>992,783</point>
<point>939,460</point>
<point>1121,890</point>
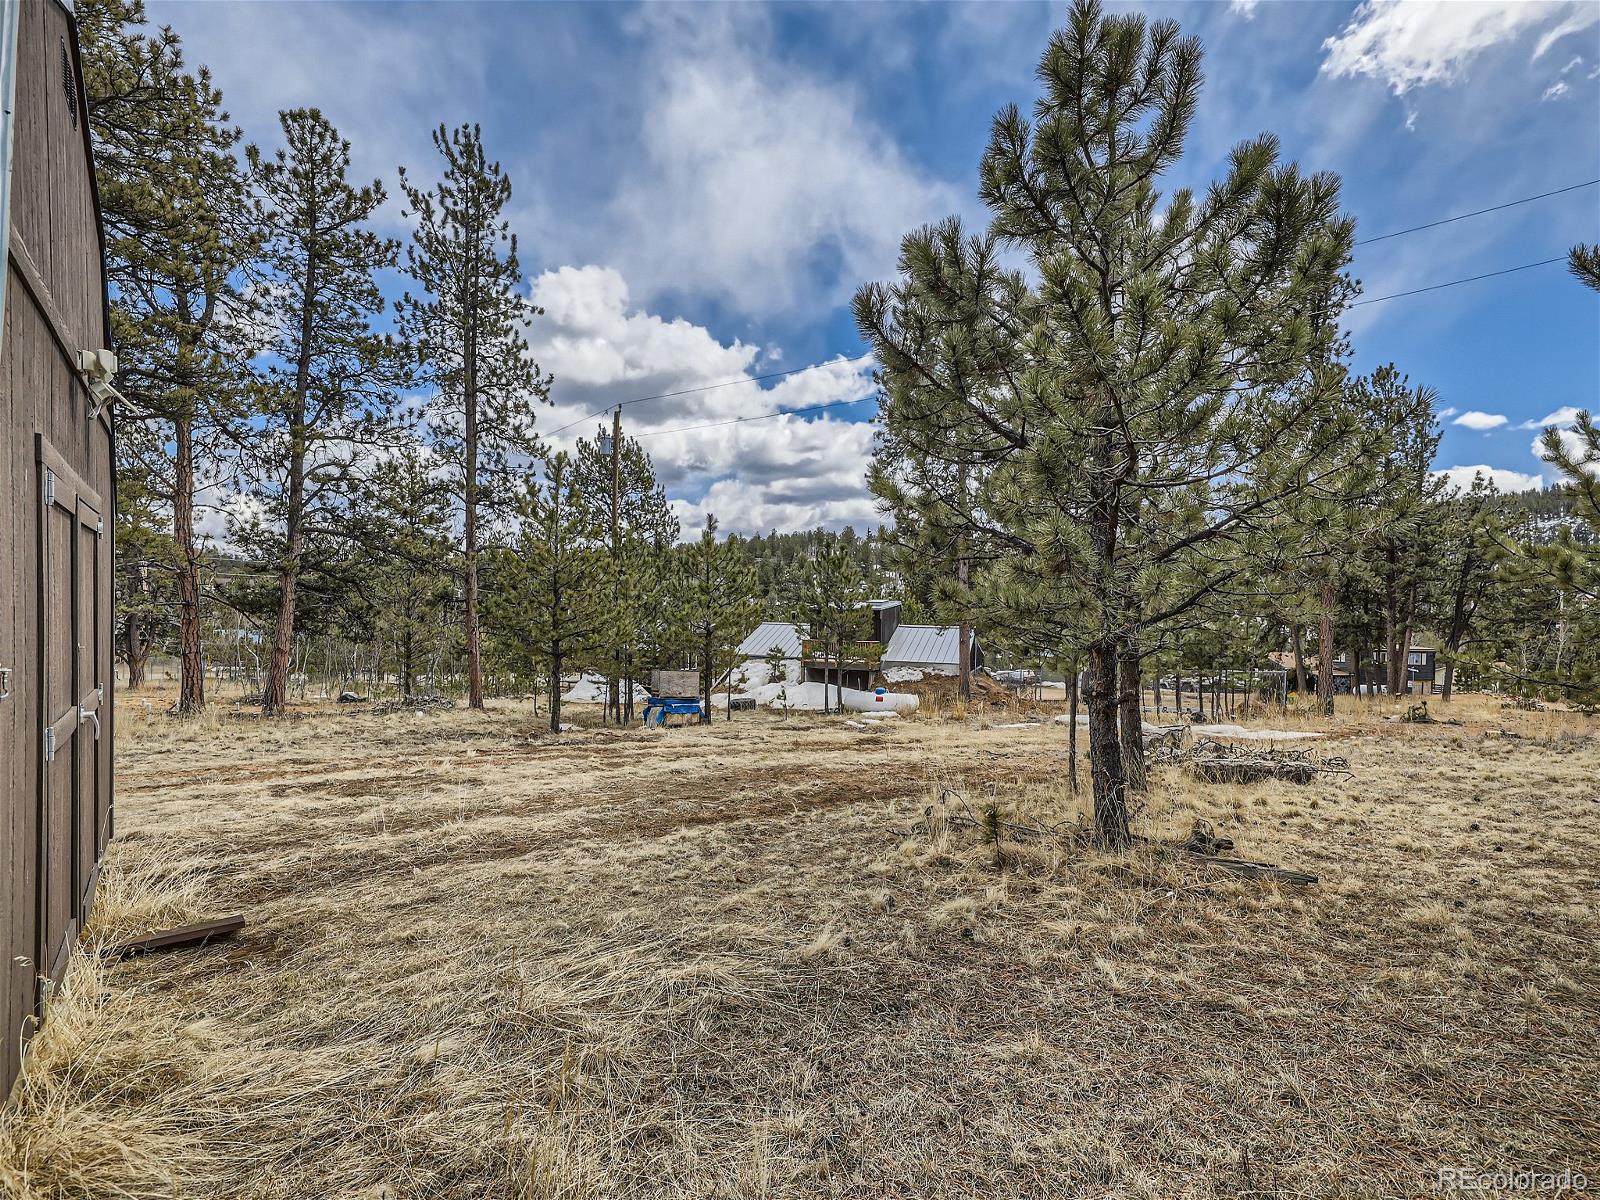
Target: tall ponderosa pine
<point>327,390</point>
<point>174,206</point>
<point>717,605</point>
<point>1126,419</point>
<point>467,327</point>
<point>548,604</point>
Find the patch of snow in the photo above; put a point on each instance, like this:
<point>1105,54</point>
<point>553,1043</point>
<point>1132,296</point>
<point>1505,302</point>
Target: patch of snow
<point>591,689</point>
<point>1148,728</point>
<point>1017,725</point>
<point>903,674</point>
<point>1254,735</point>
<point>808,697</point>
<point>755,673</point>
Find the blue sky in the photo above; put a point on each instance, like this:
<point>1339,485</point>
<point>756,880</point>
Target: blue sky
<point>700,188</point>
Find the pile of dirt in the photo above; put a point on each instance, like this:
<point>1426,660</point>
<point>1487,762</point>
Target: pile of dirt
<point>942,693</point>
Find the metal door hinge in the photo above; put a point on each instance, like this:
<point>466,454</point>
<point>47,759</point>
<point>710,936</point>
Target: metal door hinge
<point>100,528</point>
<point>5,683</point>
<point>50,744</point>
<point>49,487</point>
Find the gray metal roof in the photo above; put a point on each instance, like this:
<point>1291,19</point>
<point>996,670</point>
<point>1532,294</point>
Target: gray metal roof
<point>769,634</point>
<point>924,645</point>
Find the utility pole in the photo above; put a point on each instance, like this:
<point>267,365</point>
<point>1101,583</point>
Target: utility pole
<point>964,631</point>
<point>614,696</point>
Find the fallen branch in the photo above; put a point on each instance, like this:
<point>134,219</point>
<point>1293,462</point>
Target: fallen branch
<point>1252,870</point>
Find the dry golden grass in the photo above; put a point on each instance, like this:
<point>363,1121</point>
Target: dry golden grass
<point>755,960</point>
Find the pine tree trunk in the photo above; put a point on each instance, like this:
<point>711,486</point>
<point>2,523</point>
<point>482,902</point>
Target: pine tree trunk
<point>407,655</point>
<point>191,671</point>
<point>1299,658</point>
<point>1391,625</point>
<point>1405,640</point>
<point>1105,749</point>
<point>1131,714</point>
<point>555,689</point>
<point>1072,728</point>
<point>134,647</point>
<point>1325,649</point>
<point>136,650</point>
<point>470,450</point>
<point>275,688</point>
<point>706,683</point>
<point>1458,629</point>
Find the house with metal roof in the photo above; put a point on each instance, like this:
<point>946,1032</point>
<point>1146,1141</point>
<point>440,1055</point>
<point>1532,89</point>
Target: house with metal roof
<point>893,648</point>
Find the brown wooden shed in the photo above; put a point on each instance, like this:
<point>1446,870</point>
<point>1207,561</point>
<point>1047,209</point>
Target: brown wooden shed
<point>56,497</point>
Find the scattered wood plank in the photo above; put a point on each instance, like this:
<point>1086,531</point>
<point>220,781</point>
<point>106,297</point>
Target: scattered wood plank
<point>197,934</point>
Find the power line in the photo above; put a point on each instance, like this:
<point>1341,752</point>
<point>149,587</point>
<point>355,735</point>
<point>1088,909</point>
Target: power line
<point>1477,212</point>
<point>708,387</point>
<point>846,403</point>
<point>1543,262</point>
<point>863,357</point>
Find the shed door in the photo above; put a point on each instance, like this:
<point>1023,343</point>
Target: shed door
<point>72,687</point>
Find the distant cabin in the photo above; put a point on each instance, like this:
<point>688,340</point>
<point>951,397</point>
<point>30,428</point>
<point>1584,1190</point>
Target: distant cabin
<point>894,648</point>
<point>1422,670</point>
<point>56,497</point>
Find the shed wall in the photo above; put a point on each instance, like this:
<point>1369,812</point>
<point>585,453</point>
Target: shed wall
<point>56,498</point>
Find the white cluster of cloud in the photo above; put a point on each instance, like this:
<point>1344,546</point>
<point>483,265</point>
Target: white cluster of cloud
<point>1460,478</point>
<point>757,182</point>
<point>1407,45</point>
<point>1504,478</point>
<point>754,188</point>
<point>783,472</point>
<point>1563,416</point>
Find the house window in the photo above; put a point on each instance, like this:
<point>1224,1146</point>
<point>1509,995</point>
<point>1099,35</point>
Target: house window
<point>1415,658</point>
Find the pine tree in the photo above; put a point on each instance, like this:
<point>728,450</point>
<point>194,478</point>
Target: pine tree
<point>1572,567</point>
<point>1469,532</point>
<point>144,557</point>
<point>829,597</point>
<point>1400,554</point>
<point>467,326</point>
<point>617,482</point>
<point>548,605</point>
<point>327,392</point>
<point>717,605</point>
<point>174,209</point>
<point>405,539</point>
<point>1125,419</point>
